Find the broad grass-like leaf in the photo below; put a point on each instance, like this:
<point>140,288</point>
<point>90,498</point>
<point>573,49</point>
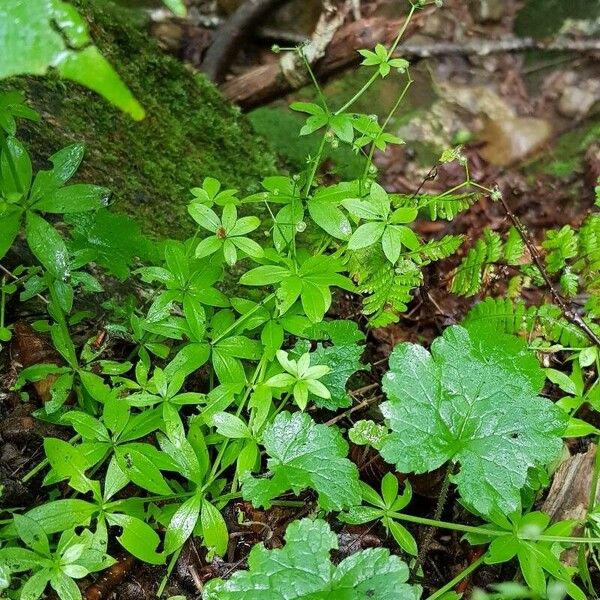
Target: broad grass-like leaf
<point>474,401</point>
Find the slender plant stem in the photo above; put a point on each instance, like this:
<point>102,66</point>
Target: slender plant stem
<point>439,509</point>
<point>375,75</point>
<point>490,532</point>
<point>44,463</point>
<point>453,582</point>
<point>243,318</point>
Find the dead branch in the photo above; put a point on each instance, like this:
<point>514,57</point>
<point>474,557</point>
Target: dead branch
<point>267,82</point>
<point>230,35</point>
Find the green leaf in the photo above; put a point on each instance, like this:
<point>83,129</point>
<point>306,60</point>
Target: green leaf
<point>302,569</point>
<point>214,529</point>
<point>403,537</point>
<point>32,534</point>
<point>177,6</point>
<point>204,216</point>
<point>473,401</point>
<point>68,462</point>
<point>47,246</point>
<point>230,426</point>
<point>344,361</point>
<point>138,538</point>
<point>141,470</point>
<point>89,68</point>
<point>366,235</point>
<point>265,275</point>
<point>182,523</point>
<point>64,586</point>
<point>59,515</point>
<point>305,455</point>
<point>15,167</point>
<point>74,198</point>
<point>61,41</point>
<point>10,223</point>
<point>329,217</point>
<point>36,584</point>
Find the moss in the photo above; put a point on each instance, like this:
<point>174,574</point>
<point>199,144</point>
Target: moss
<point>190,131</point>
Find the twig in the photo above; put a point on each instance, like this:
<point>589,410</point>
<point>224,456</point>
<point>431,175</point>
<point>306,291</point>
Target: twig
<point>570,315</point>
<point>485,47</point>
<point>358,407</point>
<point>231,33</point>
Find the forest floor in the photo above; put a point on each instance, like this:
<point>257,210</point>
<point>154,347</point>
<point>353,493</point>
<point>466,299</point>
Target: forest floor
<point>530,122</point>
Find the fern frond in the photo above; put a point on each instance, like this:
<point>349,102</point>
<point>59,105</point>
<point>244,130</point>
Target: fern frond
<point>468,276</point>
<point>560,246</point>
<point>439,206</point>
<point>588,263</point>
<point>504,315</point>
<point>438,249</point>
<point>514,248</point>
<point>388,292</point>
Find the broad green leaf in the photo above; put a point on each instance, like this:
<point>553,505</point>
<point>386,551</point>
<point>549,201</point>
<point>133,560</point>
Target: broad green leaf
<point>68,462</point>
<point>32,534</point>
<point>47,245</point>
<point>64,586</point>
<point>39,34</point>
<point>59,515</point>
<point>79,197</point>
<point>230,426</point>
<point>473,401</point>
<point>15,167</point>
<point>182,523</point>
<point>17,560</point>
<point>330,218</point>
<point>10,223</point>
<point>178,7</point>
<point>265,275</point>
<point>344,361</point>
<point>214,529</point>
<point>141,470</point>
<point>35,585</point>
<point>302,569</point>
<point>138,538</point>
<point>304,455</point>
<point>366,235</point>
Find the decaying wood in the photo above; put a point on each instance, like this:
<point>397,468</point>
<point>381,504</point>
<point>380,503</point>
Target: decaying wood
<point>332,18</point>
<point>110,579</point>
<point>267,82</point>
<point>33,349</point>
<point>569,494</point>
<point>230,35</point>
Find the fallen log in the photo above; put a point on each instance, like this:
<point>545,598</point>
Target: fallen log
<point>268,82</point>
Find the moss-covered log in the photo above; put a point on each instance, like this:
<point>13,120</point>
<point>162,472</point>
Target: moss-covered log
<point>190,131</point>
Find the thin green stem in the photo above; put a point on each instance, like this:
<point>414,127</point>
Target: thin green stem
<point>44,463</point>
<point>358,94</point>
<point>386,123</point>
<point>170,567</point>
<point>375,75</point>
<point>453,582</point>
<point>315,166</point>
<point>490,532</point>
<point>243,318</point>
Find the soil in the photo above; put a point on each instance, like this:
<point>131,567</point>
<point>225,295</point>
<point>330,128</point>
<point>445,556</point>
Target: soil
<point>548,186</point>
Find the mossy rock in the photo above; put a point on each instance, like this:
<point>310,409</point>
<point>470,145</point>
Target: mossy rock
<point>190,130</point>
